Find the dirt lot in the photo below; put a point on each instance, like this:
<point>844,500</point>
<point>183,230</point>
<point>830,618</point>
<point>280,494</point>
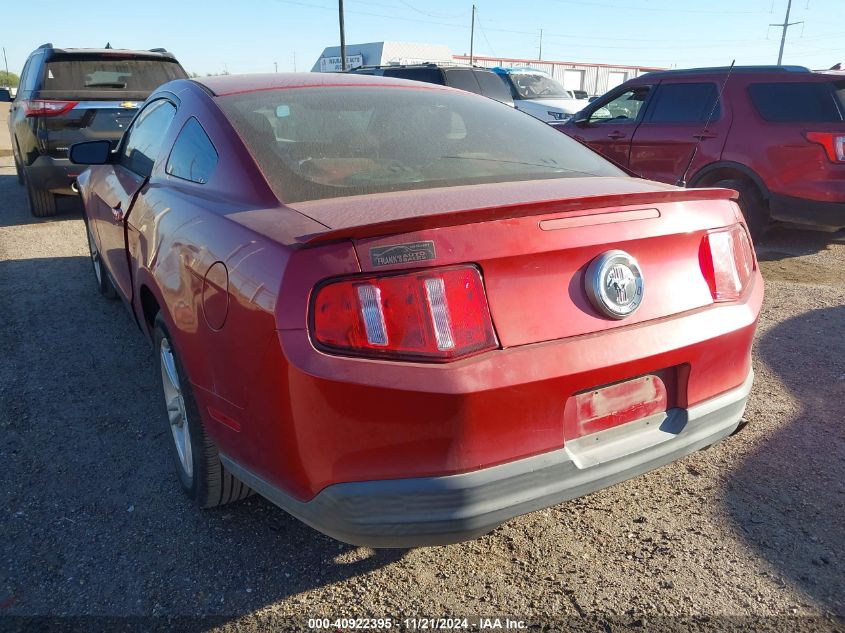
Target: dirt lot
<point>93,522</point>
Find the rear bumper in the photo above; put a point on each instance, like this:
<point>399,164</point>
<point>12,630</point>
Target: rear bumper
<point>810,212</point>
<point>53,174</point>
<point>425,511</point>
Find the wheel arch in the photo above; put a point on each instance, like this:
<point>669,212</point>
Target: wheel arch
<point>150,307</point>
<point>728,170</point>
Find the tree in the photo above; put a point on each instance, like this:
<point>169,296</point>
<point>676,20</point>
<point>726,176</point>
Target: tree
<point>9,80</point>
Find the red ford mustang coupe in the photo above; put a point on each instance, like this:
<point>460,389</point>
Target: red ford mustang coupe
<point>406,313</point>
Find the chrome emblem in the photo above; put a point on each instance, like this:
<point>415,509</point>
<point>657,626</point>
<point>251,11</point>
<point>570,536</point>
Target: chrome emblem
<point>129,104</point>
<point>614,284</point>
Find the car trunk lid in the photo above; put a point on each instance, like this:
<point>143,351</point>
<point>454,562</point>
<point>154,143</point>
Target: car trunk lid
<point>534,250</point>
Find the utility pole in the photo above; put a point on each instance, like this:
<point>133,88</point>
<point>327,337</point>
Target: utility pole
<point>343,37</point>
<point>472,35</point>
<point>540,56</point>
<point>786,24</point>
<point>276,66</point>
<point>6,63</point>
<point>294,61</point>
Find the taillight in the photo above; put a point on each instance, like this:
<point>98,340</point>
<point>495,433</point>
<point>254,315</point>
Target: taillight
<point>833,143</point>
<point>436,315</point>
<point>42,107</point>
<point>727,262</point>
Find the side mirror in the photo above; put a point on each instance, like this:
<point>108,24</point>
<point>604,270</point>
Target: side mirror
<point>91,153</point>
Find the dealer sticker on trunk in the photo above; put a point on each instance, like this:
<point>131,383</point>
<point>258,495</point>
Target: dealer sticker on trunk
<point>402,253</point>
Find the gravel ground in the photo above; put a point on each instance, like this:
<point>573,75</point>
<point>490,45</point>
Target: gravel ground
<point>94,524</point>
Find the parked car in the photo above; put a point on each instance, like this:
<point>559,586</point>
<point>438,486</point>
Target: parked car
<point>5,95</point>
<point>481,81</point>
<point>538,94</point>
<point>776,135</point>
<point>68,95</point>
<point>406,314</point>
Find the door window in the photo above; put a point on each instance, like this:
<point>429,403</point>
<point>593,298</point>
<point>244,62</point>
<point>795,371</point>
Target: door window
<point>143,140</point>
<point>624,108</point>
<point>685,103</point>
<point>193,156</point>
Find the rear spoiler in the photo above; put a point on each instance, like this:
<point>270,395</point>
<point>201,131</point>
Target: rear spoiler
<point>504,212</point>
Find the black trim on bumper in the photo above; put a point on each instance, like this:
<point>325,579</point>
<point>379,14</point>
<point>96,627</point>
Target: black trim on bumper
<point>812,212</point>
<point>440,510</point>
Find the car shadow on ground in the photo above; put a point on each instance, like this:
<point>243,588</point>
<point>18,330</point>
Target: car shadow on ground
<point>14,197</point>
<point>95,520</point>
<point>788,497</point>
<point>784,242</point>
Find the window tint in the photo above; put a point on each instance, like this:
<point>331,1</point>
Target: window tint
<point>462,79</point>
<point>684,103</point>
<point>428,75</point>
<point>624,108</point>
<point>96,74</point>
<point>193,157</point>
<point>492,86</point>
<point>30,74</point>
<point>538,86</point>
<point>143,142</point>
<point>797,102</point>
<point>315,143</point>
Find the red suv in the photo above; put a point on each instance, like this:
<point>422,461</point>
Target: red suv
<point>776,134</point>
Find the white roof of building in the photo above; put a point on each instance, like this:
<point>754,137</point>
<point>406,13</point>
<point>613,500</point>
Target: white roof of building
<point>384,53</point>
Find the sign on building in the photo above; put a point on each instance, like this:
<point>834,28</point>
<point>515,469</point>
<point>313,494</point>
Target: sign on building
<point>333,64</point>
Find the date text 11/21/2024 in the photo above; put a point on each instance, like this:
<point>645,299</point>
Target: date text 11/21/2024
<point>418,624</point>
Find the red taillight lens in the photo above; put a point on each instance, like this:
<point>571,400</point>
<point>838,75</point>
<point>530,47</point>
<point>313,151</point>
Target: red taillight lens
<point>437,314</point>
<point>727,262</point>
<point>834,144</point>
<point>41,107</point>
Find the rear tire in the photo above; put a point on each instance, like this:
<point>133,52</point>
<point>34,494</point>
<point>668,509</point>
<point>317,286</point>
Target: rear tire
<point>18,169</point>
<point>201,473</point>
<point>42,203</point>
<point>101,277</point>
<point>753,206</point>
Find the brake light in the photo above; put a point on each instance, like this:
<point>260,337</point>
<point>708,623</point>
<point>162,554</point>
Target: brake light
<point>437,315</point>
<point>727,262</point>
<point>42,107</point>
<point>834,144</point>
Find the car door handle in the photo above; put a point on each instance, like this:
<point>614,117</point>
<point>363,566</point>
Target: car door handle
<point>616,135</point>
<point>704,135</point>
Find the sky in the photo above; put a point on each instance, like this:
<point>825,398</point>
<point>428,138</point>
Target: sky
<point>246,36</point>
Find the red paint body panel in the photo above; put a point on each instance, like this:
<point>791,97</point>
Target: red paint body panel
<point>780,158</point>
<point>303,419</point>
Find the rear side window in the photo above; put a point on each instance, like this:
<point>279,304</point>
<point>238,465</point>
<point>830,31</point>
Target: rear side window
<point>462,79</point>
<point>193,156</point>
<point>143,142</point>
<point>428,75</point>
<point>492,86</point>
<point>103,74</point>
<point>684,103</point>
<point>817,102</point>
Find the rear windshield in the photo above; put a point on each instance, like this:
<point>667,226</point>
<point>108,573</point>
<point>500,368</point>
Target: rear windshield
<point>93,74</point>
<point>817,102</point>
<point>314,143</point>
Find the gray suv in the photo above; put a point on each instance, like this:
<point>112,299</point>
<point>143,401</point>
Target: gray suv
<point>470,78</point>
<point>71,95</point>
